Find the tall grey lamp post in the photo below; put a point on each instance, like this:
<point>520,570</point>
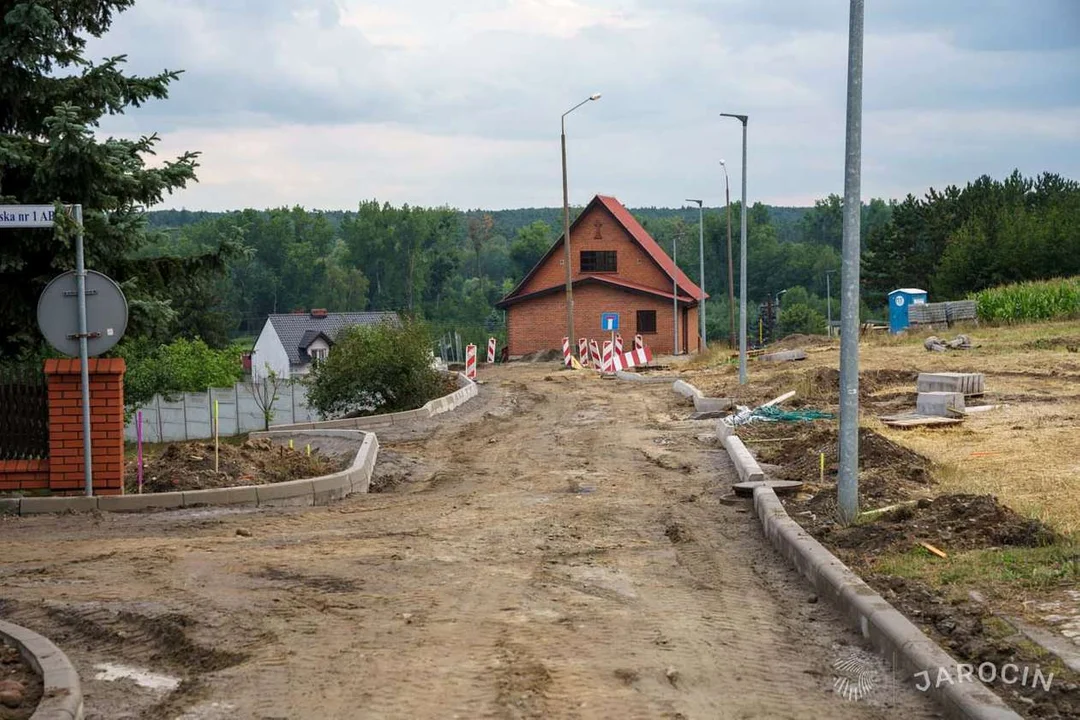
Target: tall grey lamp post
<point>847,484</point>
<point>742,255</point>
<point>566,225</point>
<point>730,269</point>
<point>701,256</point>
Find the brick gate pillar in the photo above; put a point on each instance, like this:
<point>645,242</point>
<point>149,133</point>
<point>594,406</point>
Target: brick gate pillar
<point>106,425</point>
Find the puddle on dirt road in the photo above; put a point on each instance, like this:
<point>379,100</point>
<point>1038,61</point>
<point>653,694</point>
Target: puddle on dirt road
<point>111,672</point>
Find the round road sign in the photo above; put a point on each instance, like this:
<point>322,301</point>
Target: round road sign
<point>106,313</point>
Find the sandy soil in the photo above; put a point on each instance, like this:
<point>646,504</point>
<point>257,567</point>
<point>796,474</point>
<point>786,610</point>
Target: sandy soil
<point>554,550</point>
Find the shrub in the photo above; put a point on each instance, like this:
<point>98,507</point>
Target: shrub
<point>180,366</point>
<point>801,319</point>
<point>375,369</point>
<point>1042,300</point>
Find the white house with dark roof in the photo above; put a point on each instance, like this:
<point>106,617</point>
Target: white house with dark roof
<point>290,342</point>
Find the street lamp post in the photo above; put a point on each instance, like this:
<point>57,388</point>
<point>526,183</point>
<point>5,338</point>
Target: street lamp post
<point>742,255</point>
<point>730,269</point>
<point>701,256</point>
<point>566,224</point>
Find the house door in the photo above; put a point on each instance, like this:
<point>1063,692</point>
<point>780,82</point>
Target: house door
<point>684,332</point>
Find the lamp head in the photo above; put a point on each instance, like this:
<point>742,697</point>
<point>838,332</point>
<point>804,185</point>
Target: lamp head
<point>594,96</point>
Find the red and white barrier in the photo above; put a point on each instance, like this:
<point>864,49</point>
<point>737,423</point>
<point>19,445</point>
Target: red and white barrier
<point>595,360</point>
<point>566,354</point>
<point>583,351</point>
<point>470,361</point>
<point>618,345</point>
<point>606,363</point>
<point>639,342</point>
<point>632,359</point>
<point>491,350</point>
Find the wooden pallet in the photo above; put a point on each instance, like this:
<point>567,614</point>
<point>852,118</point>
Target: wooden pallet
<point>910,420</point>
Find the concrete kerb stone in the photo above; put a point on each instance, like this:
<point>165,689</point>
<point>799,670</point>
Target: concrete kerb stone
<point>243,495</point>
<point>745,464</point>
<point>137,503</point>
<point>62,698</point>
<point>293,493</point>
<point>39,505</point>
<point>686,389</point>
<point>888,631</point>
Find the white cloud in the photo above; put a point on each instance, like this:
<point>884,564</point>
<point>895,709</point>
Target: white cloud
<point>325,102</point>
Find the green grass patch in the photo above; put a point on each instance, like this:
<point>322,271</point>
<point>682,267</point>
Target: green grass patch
<point>1002,569</point>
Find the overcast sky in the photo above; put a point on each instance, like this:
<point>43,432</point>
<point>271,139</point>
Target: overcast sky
<point>323,103</point>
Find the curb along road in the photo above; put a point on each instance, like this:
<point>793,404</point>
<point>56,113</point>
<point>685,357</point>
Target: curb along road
<point>62,698</point>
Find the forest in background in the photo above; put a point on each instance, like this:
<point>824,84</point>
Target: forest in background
<point>450,266</point>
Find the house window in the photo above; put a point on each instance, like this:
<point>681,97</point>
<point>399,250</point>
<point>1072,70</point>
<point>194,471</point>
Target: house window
<point>646,321</point>
<point>598,261</point>
<point>318,353</point>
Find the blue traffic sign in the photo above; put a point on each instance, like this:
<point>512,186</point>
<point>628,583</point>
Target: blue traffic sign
<point>609,322</point>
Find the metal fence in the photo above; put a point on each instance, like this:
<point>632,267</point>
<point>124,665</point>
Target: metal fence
<point>24,414</point>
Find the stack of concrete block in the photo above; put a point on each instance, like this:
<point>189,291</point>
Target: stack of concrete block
<point>952,382</point>
<point>939,404</point>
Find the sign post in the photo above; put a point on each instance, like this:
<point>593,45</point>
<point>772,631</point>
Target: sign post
<point>52,318</point>
<point>609,321</point>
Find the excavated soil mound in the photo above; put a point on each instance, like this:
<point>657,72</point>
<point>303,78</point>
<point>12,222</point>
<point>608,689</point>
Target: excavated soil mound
<point>949,522</point>
<point>190,466</point>
<point>888,472</point>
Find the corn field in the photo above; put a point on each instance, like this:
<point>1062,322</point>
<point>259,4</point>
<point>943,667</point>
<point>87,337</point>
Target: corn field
<point>1043,300</point>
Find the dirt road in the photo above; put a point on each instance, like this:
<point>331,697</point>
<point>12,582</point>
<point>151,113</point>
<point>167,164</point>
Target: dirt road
<point>555,550</point>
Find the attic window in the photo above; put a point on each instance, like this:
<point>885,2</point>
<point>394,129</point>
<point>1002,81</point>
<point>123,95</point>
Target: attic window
<point>318,353</point>
<point>598,261</point>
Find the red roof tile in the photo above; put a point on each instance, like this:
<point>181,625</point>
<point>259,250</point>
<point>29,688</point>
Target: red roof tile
<point>641,237</point>
<point>650,246</point>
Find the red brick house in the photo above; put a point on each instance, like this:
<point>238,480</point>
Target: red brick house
<point>617,267</point>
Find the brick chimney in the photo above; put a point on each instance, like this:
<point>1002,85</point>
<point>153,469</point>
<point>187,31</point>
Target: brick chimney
<point>318,312</point>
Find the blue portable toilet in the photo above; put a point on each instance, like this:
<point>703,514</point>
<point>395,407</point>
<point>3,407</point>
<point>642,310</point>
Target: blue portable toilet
<point>899,302</point>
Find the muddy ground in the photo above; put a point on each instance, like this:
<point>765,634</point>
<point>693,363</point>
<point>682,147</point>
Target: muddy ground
<point>556,548</point>
<point>20,686</point>
<point>190,465</point>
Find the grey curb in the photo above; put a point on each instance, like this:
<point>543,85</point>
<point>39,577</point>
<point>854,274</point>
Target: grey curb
<point>895,637</point>
<point>467,389</point>
<point>686,389</point>
<point>745,464</point>
<point>62,698</point>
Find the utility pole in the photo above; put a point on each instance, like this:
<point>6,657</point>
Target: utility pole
<point>828,302</point>
<point>848,483</point>
<point>566,225</point>
<point>701,256</point>
<point>742,256</point>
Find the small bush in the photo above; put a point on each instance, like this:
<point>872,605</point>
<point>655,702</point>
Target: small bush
<point>1043,300</point>
<point>376,369</point>
<point>180,366</point>
<point>801,319</point>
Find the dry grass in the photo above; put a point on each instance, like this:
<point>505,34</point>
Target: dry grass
<point>1026,452</point>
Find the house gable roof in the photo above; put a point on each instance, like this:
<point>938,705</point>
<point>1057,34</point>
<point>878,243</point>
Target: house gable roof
<point>298,330</point>
<point>640,236</point>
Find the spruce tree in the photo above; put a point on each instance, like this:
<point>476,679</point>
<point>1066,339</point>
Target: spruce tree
<point>52,98</point>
